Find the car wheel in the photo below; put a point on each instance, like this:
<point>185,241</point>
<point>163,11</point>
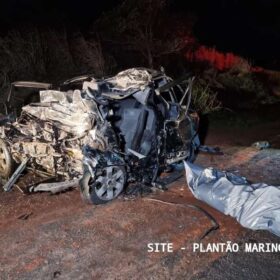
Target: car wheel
<point>6,160</point>
<point>107,185</point>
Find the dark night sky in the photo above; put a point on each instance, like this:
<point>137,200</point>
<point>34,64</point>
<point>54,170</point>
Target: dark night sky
<point>250,28</point>
<point>80,12</point>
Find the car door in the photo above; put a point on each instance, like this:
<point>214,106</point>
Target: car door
<point>178,125</point>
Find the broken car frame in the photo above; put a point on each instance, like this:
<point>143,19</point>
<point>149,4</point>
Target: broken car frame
<point>105,133</point>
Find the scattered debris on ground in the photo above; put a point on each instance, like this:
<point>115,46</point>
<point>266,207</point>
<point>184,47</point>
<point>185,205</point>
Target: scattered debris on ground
<point>261,145</point>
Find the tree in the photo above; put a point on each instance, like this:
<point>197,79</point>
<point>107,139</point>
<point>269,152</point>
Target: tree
<point>143,27</point>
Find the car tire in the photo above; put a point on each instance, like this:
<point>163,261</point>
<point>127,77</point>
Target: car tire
<point>7,163</point>
<point>105,187</point>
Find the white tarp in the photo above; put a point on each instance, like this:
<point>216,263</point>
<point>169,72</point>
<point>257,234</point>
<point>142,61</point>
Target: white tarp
<point>255,206</point>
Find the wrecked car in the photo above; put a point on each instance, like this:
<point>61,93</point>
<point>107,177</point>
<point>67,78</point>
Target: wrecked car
<point>105,133</point>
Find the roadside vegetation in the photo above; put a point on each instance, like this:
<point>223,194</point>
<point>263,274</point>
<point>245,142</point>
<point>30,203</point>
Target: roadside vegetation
<point>55,53</point>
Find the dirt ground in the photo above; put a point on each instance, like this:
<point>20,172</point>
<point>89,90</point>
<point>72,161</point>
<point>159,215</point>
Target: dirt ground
<point>46,236</point>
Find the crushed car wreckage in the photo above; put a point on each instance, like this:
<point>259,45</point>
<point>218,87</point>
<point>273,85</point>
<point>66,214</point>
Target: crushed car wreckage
<point>104,133</point>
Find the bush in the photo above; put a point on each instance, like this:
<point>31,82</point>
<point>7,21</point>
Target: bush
<point>52,55</point>
<point>204,99</point>
<point>245,83</point>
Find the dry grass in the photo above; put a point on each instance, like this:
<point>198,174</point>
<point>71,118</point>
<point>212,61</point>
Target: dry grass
<point>204,99</point>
